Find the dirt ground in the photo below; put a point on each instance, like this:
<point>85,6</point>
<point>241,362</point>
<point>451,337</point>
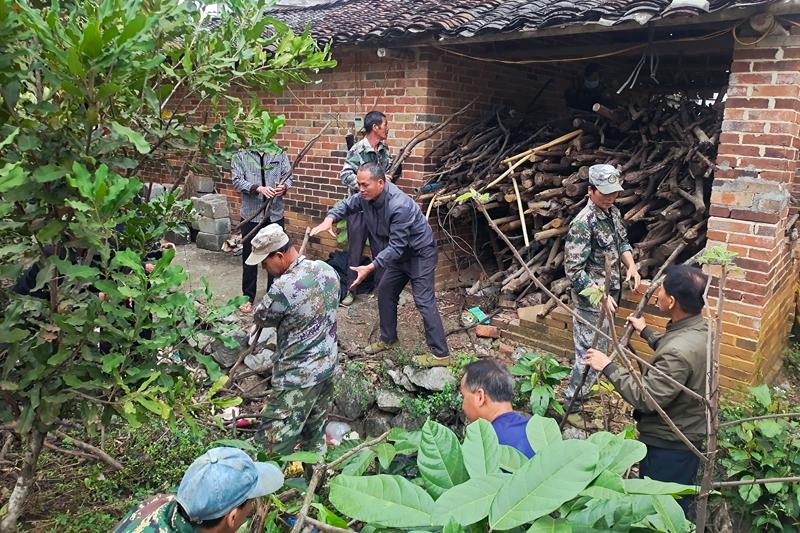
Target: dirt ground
<point>358,324</point>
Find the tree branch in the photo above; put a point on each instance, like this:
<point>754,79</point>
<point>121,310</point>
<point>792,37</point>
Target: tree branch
<point>424,135</point>
<point>326,528</point>
<point>753,418</point>
<point>638,379</point>
<point>722,484</point>
<point>94,451</point>
<point>320,470</point>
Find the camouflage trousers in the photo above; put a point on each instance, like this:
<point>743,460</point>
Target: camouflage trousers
<point>583,336</point>
<point>292,415</point>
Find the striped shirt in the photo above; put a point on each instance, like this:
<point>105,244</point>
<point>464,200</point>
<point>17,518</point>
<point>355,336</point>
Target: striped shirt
<point>250,170</point>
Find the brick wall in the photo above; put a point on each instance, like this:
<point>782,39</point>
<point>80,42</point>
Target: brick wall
<point>756,177</point>
<point>553,333</point>
<point>415,91</point>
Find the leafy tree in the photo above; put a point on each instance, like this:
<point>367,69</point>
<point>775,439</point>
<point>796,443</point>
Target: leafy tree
<point>480,485</point>
<point>89,93</point>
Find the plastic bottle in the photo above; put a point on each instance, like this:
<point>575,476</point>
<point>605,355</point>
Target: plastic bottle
<point>335,432</point>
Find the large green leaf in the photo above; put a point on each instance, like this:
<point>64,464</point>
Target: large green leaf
<point>469,502</point>
<point>11,176</point>
<point>671,513</point>
<point>762,395</point>
<point>383,500</point>
<point>629,453</point>
<point>386,453</point>
<point>555,475</point>
<point>439,458</point>
<point>546,524</point>
<point>481,449</point>
<point>651,486</point>
<point>304,457</point>
<point>542,432</point>
<point>136,138</point>
<point>511,459</point>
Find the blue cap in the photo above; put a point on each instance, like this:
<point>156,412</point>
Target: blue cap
<point>221,480</point>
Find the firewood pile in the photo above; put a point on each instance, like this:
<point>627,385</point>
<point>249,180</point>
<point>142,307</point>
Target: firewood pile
<point>536,179</point>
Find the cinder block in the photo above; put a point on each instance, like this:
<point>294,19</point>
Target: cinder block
<point>211,205</point>
<point>157,190</point>
<point>178,237</point>
<point>215,226</point>
<point>209,241</point>
<point>204,184</point>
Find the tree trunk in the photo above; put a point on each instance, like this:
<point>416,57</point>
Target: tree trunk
<point>24,482</point>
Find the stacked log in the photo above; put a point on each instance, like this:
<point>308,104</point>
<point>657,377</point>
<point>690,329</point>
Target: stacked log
<point>536,179</point>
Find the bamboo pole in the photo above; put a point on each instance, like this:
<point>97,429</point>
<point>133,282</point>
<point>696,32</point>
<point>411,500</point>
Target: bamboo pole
<point>550,144</point>
<point>521,212</point>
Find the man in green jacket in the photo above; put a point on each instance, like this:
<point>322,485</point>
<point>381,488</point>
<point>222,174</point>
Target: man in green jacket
<point>681,354</point>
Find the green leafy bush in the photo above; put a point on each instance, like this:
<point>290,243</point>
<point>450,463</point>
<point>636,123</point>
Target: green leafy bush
<point>539,376</point>
<point>479,484</point>
<point>762,449</point>
<point>444,406</point>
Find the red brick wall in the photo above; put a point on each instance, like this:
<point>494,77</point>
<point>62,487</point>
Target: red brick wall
<point>756,176</point>
<point>415,92</point>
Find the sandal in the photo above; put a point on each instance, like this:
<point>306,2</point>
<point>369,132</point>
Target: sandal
<point>246,308</point>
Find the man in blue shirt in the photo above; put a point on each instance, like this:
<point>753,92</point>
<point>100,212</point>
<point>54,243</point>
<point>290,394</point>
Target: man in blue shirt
<point>487,388</point>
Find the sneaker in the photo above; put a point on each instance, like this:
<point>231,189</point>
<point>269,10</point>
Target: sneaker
<point>347,300</point>
<point>430,360</point>
<point>377,347</point>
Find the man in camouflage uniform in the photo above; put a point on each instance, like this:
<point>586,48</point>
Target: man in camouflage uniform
<point>301,305</point>
<point>216,495</point>
<point>595,234</point>
<point>370,149</point>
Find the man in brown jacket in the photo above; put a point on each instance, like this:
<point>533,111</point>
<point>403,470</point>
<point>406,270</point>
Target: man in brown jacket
<point>681,354</point>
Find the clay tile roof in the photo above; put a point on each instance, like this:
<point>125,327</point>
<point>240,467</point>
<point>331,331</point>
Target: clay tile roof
<point>355,21</point>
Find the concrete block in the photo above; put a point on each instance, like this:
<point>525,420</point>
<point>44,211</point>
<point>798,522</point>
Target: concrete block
<point>209,241</point>
<point>204,184</point>
<point>215,226</point>
<point>178,237</point>
<point>157,190</point>
<point>211,205</point>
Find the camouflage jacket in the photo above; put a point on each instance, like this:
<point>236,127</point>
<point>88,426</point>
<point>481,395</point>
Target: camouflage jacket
<point>159,514</point>
<point>592,236</point>
<point>301,305</point>
<point>361,153</point>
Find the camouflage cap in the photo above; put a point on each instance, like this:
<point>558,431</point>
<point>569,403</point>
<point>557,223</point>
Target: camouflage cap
<point>605,178</point>
<point>268,239</point>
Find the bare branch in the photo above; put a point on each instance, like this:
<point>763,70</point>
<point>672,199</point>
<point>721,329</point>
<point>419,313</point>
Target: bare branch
<point>753,418</point>
<point>94,451</point>
<point>722,484</point>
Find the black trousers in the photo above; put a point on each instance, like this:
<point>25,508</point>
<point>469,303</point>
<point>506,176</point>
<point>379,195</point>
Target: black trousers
<point>420,271</point>
<point>250,272</point>
<point>676,466</point>
<point>356,238</point>
<point>357,235</point>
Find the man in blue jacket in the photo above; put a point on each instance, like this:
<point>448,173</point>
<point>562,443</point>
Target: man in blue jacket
<point>487,389</point>
<point>404,249</point>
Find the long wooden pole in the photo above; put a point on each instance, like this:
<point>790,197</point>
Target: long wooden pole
<point>521,212</point>
<point>550,144</point>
